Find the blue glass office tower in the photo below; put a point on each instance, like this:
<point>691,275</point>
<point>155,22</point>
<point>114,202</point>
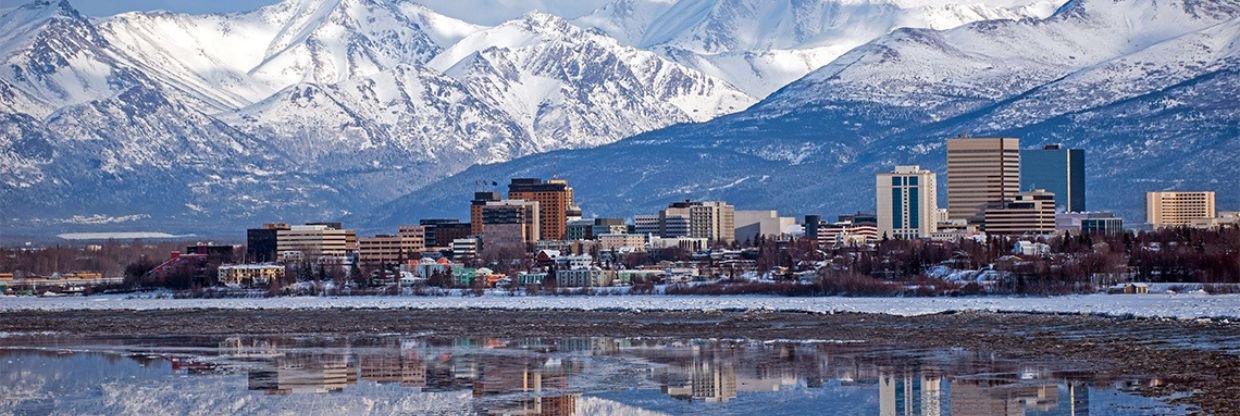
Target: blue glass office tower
<point>1056,169</point>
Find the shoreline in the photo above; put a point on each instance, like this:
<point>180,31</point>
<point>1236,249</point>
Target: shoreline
<point>1183,356</point>
<point>1185,307</point>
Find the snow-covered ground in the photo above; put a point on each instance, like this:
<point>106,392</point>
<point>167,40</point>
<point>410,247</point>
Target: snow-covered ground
<point>1179,306</point>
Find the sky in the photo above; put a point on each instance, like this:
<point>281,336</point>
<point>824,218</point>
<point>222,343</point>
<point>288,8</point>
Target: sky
<point>111,7</point>
<point>484,12</point>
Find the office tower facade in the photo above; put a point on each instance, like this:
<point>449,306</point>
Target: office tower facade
<point>260,243</point>
<point>1057,169</point>
<point>313,241</point>
<point>1109,226</point>
<point>907,203</point>
<point>1031,213</point>
<point>521,219</point>
<point>812,222</point>
<point>555,202</point>
<point>389,249</point>
<point>439,232</point>
<point>981,173</point>
<point>475,209</point>
<point>1174,209</point>
<point>712,220</point>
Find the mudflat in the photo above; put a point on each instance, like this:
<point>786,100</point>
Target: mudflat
<point>1195,360</point>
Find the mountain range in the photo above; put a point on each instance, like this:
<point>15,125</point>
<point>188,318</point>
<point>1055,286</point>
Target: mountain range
<point>382,112</point>
<point>1147,87</point>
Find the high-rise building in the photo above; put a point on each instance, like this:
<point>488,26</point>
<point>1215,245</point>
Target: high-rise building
<point>1056,169</point>
<point>555,201</point>
<point>313,241</point>
<point>475,209</point>
<point>812,222</point>
<point>1026,213</point>
<point>981,173</point>
<point>1174,209</point>
<point>260,243</point>
<point>524,215</point>
<point>907,203</point>
<point>712,220</point>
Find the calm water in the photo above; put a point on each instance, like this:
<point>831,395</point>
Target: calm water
<point>537,376</point>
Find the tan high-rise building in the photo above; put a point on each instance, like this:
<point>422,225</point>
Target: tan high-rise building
<point>1028,213</point>
<point>1173,209</point>
<point>555,200</point>
<point>712,220</point>
<point>981,173</point>
<point>907,203</point>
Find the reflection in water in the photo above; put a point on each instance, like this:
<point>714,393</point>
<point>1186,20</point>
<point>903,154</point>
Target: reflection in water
<point>539,376</point>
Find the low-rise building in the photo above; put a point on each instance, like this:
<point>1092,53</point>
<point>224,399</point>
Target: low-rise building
<point>465,249</point>
<point>1223,220</point>
<point>1029,213</point>
<point>250,275</point>
<point>622,243</point>
<point>684,243</point>
<point>585,277</point>
<point>388,249</point>
<point>768,224</point>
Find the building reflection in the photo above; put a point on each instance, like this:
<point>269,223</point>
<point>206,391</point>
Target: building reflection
<point>541,376</point>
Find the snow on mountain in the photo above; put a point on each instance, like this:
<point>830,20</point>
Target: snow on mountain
<point>1145,87</point>
<point>495,12</point>
<point>948,72</point>
<point>233,60</point>
<point>405,116</point>
<point>575,88</point>
<point>762,45</point>
<point>56,58</point>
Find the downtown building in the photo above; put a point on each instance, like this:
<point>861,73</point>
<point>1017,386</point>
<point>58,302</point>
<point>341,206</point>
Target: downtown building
<point>555,204</point>
<point>261,243</point>
<point>392,249</point>
<point>765,223</point>
<point>981,173</point>
<point>510,223</point>
<point>1177,209</point>
<point>1028,213</point>
<point>712,220</point>
<point>315,240</point>
<point>907,203</point>
<point>1058,170</point>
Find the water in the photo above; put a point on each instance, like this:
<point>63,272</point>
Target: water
<point>538,376</point>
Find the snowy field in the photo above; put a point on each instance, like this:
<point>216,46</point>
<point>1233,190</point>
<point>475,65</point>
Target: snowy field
<point>1179,306</point>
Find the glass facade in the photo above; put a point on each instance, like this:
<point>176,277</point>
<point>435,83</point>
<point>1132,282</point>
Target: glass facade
<point>1058,170</point>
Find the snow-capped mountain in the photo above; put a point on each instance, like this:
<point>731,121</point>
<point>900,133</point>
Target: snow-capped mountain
<point>336,97</point>
<point>762,45</point>
<point>574,88</point>
<point>1146,87</point>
